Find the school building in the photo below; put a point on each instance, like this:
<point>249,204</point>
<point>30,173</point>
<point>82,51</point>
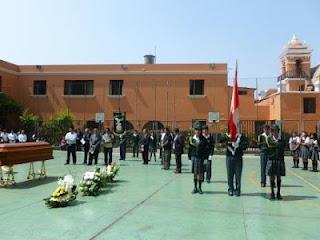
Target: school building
<point>154,95</point>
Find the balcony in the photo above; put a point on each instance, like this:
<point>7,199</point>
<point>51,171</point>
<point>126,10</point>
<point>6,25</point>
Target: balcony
<point>293,74</point>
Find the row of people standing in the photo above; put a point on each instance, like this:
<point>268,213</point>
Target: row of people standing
<point>305,147</point>
<point>91,141</point>
<point>12,136</point>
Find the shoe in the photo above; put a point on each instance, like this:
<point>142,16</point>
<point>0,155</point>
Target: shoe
<point>279,197</point>
<point>89,164</point>
<point>200,191</point>
<point>195,190</point>
<point>272,197</point>
<point>237,193</point>
<point>263,185</point>
<point>74,163</point>
<point>230,193</point>
<point>66,163</point>
<point>208,181</point>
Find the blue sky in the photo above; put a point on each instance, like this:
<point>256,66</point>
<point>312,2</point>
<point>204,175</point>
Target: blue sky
<point>184,31</point>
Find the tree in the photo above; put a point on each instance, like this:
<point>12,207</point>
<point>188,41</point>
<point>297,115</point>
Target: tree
<point>29,123</point>
<point>8,105</point>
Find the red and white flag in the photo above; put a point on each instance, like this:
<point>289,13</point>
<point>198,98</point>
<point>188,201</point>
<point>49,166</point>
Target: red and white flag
<point>234,108</point>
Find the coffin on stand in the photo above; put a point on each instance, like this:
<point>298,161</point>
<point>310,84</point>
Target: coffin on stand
<point>19,153</point>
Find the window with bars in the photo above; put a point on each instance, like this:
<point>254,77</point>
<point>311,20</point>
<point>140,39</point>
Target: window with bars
<point>116,87</point>
<point>309,105</point>
<point>40,87</point>
<point>196,87</point>
<point>78,87</point>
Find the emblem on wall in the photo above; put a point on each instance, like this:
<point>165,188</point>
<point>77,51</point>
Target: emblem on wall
<point>119,122</point>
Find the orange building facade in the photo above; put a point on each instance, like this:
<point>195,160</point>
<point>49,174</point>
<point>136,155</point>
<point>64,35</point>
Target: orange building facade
<point>175,95</point>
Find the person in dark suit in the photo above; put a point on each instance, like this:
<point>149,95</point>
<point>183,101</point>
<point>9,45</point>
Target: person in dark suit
<point>145,146</point>
<point>167,148</point>
<point>135,143</point>
<point>123,146</point>
<point>86,144</point>
<point>178,145</point>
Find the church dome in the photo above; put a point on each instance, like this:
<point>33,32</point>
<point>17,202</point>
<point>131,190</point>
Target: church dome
<point>295,42</point>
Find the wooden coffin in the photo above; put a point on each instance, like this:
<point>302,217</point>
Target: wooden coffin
<point>18,153</point>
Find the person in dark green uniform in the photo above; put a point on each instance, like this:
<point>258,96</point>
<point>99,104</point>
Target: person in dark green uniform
<point>199,146</point>
<point>275,166</point>
<point>262,144</point>
<point>135,143</point>
<point>234,161</point>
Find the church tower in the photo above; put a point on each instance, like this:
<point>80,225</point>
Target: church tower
<point>295,67</point>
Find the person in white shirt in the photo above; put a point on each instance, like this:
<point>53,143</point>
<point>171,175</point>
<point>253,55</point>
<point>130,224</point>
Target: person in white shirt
<point>12,137</point>
<point>162,134</point>
<point>294,145</point>
<point>4,136</point>
<point>71,139</point>
<point>22,137</point>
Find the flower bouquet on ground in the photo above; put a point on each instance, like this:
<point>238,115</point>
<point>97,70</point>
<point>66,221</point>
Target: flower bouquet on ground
<point>65,193</point>
<point>111,171</point>
<point>91,183</point>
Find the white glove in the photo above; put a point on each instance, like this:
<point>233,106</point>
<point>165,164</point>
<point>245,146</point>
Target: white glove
<point>210,157</point>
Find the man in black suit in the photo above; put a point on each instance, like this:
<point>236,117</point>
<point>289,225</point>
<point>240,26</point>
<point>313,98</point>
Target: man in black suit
<point>86,144</point>
<point>178,145</point>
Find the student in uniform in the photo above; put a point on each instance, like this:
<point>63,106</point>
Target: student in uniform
<point>305,149</point>
<point>262,139</point>
<point>199,146</point>
<point>314,152</point>
<point>208,159</point>
<point>234,161</point>
<point>294,145</point>
<point>275,166</point>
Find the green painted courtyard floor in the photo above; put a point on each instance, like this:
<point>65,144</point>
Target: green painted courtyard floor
<point>149,203</point>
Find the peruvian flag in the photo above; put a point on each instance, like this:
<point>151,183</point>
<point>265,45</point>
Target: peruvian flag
<point>234,108</point>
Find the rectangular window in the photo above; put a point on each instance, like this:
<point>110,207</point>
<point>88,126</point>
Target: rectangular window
<point>78,87</point>
<point>0,84</point>
<point>242,92</point>
<point>196,87</point>
<point>115,87</point>
<point>309,105</point>
<point>40,87</point>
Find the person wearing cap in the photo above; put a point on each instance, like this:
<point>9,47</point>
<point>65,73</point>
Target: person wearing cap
<point>234,161</point>
<point>262,144</point>
<point>178,145</point>
<point>199,146</point>
<point>208,159</point>
<point>275,166</point>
